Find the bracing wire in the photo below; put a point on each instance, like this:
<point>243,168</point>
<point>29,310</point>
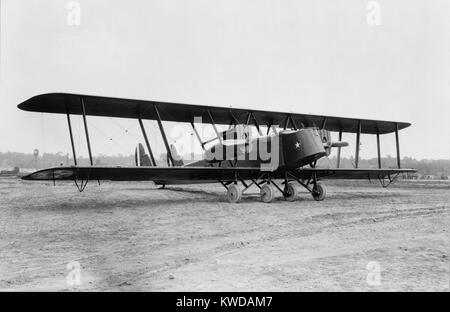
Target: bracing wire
<point>111,139</point>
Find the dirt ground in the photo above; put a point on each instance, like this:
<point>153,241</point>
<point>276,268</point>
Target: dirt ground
<point>132,236</point>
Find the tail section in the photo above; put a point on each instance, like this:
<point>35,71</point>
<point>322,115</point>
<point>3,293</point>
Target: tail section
<point>140,157</point>
<point>177,160</point>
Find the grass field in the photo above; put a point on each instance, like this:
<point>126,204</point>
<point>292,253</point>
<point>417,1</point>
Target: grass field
<point>132,236</point>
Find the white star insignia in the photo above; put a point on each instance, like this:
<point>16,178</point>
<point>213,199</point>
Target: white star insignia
<point>297,145</point>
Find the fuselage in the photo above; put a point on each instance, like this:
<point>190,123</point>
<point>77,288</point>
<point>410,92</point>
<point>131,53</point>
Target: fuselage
<point>288,148</point>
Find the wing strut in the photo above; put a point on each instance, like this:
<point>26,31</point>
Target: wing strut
<point>293,123</point>
<point>324,122</point>
<point>286,123</point>
<point>256,123</point>
<point>289,119</point>
<point>87,131</point>
<point>234,119</point>
<point>378,150</point>
<point>146,141</point>
<point>358,137</point>
<point>338,160</point>
<point>271,126</point>
<point>71,136</point>
<point>198,136</point>
<point>248,119</point>
<point>398,145</point>
<point>169,153</point>
<point>214,126</point>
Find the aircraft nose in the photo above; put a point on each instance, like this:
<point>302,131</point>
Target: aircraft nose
<point>302,147</point>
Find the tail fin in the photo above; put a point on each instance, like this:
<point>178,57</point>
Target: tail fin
<point>141,158</point>
<point>177,161</point>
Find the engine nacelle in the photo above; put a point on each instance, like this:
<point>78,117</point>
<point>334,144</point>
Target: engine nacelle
<point>301,147</point>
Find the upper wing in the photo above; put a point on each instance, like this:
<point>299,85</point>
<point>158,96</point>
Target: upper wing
<point>177,174</point>
<point>126,108</point>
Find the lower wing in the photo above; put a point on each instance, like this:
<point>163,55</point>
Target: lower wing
<point>180,175</point>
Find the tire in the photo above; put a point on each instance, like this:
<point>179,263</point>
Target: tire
<point>234,194</point>
<point>319,192</point>
<point>291,192</point>
<point>267,193</point>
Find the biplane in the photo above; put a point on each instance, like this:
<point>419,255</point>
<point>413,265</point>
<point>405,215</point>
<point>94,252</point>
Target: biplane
<point>278,159</point>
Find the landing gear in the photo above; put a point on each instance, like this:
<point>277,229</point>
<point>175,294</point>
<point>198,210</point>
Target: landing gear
<point>267,193</point>
<point>319,192</point>
<point>268,186</point>
<point>290,191</point>
<point>234,193</point>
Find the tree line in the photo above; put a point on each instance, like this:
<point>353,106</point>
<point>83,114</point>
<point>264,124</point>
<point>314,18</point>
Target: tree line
<point>438,168</point>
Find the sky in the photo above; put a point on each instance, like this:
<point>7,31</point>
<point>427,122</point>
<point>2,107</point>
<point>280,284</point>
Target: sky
<point>313,56</point>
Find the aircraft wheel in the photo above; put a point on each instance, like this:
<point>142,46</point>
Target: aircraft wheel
<point>291,191</point>
<point>267,193</point>
<point>234,193</point>
<point>319,192</point>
